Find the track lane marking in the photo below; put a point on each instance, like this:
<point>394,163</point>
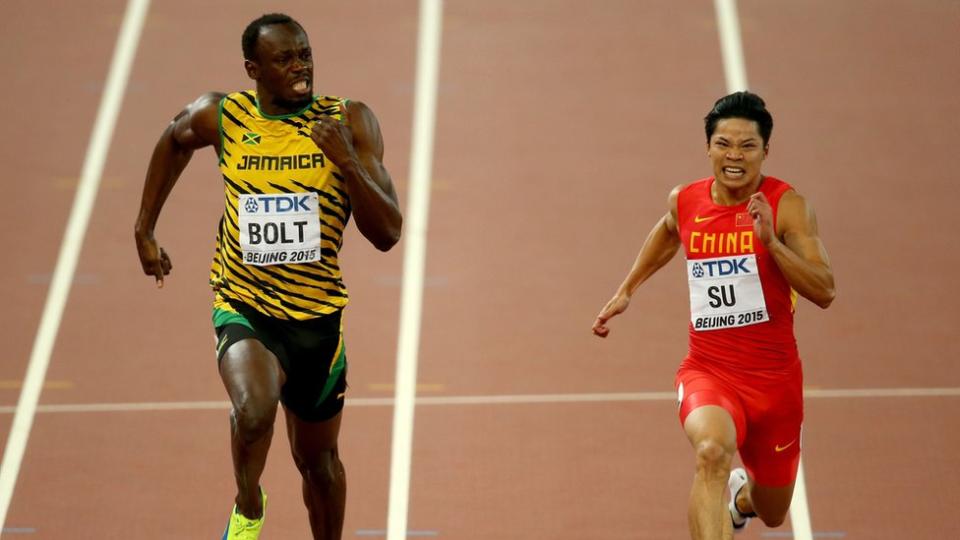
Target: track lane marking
<point>414,262</point>
<point>76,229</point>
<point>492,399</point>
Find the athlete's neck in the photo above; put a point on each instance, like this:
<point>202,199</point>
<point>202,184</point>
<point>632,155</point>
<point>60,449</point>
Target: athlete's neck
<point>726,196</point>
<point>278,106</point>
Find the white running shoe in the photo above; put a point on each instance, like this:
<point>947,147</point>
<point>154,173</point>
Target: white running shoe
<point>738,479</point>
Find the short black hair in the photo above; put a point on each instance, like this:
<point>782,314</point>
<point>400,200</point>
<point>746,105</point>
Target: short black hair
<point>252,32</point>
<point>745,105</point>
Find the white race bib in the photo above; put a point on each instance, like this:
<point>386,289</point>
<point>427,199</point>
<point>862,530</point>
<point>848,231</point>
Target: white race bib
<point>279,228</point>
<point>725,292</point>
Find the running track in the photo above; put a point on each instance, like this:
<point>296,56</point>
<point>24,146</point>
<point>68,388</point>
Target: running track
<point>559,132</point>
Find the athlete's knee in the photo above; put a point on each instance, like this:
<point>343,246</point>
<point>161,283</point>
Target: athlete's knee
<point>771,504</point>
<point>713,457</point>
<point>322,470</point>
<point>772,521</point>
<point>254,418</point>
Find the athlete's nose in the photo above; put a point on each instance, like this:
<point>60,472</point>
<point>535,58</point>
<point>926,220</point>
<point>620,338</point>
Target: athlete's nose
<point>299,65</point>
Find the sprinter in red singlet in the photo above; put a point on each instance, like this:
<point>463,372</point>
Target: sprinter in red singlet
<point>751,245</point>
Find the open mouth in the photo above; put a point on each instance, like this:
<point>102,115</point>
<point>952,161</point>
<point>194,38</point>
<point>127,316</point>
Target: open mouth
<point>734,172</point>
<point>301,86</point>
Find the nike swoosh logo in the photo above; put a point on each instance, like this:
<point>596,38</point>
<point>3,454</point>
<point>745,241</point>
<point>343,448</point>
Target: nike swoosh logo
<point>779,448</point>
<point>698,219</point>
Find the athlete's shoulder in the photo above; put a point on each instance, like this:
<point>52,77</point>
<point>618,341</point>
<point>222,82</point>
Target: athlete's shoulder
<point>696,188</point>
<point>772,185</point>
<point>197,124</point>
<point>205,105</point>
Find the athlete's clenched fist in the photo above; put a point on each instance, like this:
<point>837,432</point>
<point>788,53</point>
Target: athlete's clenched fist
<point>334,138</point>
<point>153,258</point>
<point>762,213</point>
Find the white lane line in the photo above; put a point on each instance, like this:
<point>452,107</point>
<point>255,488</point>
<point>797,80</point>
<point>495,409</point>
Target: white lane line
<point>76,229</point>
<point>731,45</point>
<point>414,261</point>
<point>503,399</point>
<point>880,392</point>
<point>799,513</point>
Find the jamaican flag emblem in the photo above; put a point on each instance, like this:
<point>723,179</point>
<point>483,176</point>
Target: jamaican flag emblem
<point>251,138</point>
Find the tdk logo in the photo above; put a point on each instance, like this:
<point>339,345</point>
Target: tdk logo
<point>277,204</point>
<point>720,268</point>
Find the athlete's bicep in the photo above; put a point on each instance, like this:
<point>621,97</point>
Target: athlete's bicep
<point>798,223</point>
<point>671,219</point>
<point>368,142</point>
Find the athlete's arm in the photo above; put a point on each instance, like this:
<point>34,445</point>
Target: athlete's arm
<point>796,247</point>
<point>661,245</point>
<point>357,150</point>
<point>195,127</point>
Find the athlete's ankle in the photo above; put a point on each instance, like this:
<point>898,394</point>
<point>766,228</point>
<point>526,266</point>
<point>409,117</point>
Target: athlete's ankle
<point>250,508</point>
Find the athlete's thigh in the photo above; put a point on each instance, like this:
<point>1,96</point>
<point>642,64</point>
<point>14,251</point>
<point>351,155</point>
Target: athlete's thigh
<point>711,424</point>
<point>709,408</point>
<point>771,452</point>
<point>250,372</point>
<point>316,369</point>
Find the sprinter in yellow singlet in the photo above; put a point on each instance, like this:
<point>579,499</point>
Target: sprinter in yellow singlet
<point>295,167</point>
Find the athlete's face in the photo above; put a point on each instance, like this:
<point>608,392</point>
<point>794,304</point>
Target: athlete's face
<point>736,151</point>
<point>284,68</point>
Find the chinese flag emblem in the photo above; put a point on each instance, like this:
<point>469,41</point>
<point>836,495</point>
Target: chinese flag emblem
<point>744,220</point>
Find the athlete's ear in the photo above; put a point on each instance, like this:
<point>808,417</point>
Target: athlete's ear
<point>253,70</point>
<point>766,150</point>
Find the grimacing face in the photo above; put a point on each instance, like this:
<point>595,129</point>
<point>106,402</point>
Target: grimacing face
<point>284,66</point>
<point>736,151</point>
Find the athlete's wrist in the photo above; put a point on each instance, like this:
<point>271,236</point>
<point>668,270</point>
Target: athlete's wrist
<point>142,230</point>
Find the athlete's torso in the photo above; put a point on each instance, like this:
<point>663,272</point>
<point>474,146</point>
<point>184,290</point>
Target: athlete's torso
<point>741,305</point>
<point>285,211</point>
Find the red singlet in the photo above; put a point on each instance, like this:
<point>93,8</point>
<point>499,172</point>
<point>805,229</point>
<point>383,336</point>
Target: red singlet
<point>743,354</point>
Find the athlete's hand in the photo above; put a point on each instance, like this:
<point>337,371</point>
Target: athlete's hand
<point>762,213</point>
<point>153,258</point>
<point>617,305</point>
<point>334,138</point>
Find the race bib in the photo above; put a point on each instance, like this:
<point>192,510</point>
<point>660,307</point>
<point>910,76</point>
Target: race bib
<point>280,228</point>
<point>725,292</point>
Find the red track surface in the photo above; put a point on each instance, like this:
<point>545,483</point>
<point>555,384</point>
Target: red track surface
<point>560,131</point>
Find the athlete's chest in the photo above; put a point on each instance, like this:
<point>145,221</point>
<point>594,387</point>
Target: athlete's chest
<point>276,153</point>
<point>725,261</point>
<point>707,230</point>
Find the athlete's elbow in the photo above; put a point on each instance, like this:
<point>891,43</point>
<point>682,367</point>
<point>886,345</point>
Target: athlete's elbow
<point>387,240</point>
<point>385,245</point>
<point>825,298</point>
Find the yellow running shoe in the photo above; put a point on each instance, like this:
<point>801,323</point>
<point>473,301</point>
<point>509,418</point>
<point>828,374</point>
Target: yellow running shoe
<point>241,527</point>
